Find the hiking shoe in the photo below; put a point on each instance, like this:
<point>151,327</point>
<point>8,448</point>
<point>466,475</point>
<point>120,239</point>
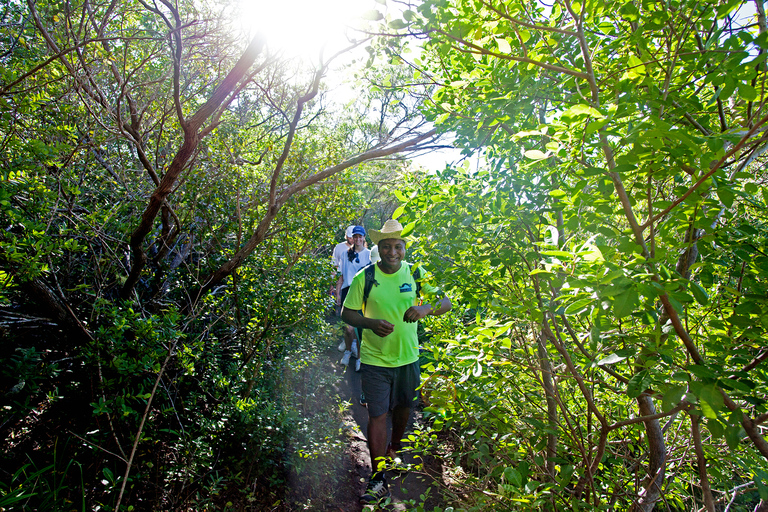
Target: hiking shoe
<point>342,346</point>
<point>376,491</point>
<point>345,357</point>
<point>362,400</point>
<point>357,365</point>
<point>355,352</point>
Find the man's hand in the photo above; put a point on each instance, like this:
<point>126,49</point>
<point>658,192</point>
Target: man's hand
<point>416,313</point>
<point>382,328</point>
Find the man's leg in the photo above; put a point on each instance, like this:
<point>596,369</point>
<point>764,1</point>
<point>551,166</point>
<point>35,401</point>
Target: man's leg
<point>377,488</point>
<point>407,380</point>
<point>377,440</point>
<point>400,416</point>
<point>376,382</point>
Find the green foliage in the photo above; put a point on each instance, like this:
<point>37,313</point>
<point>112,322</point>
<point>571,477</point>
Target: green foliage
<point>605,248</point>
<point>213,389</point>
<point>46,487</point>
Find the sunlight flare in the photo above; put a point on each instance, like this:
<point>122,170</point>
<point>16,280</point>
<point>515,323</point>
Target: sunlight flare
<point>302,27</point>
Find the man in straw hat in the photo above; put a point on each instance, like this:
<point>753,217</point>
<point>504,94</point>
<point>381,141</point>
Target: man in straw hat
<point>390,371</point>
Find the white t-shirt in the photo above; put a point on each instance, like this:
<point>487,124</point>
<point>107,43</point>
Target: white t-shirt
<point>350,268</point>
<point>339,254</point>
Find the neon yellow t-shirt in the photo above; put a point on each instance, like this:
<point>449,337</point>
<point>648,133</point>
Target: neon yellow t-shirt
<point>389,300</point>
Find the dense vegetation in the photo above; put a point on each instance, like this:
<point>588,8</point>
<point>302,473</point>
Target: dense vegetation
<point>170,190</point>
<point>611,247</point>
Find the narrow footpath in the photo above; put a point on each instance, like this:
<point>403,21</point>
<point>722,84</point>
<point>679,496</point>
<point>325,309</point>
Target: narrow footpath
<point>406,487</point>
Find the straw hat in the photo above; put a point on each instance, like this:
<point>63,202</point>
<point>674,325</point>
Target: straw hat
<point>391,229</point>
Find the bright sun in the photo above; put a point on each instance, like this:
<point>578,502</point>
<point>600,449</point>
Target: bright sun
<point>301,27</point>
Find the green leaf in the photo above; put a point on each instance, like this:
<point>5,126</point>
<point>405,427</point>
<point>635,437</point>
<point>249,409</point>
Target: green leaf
<point>618,288</point>
<point>761,478</point>
<point>558,254</point>
<point>565,475</point>
<point>699,293</point>
<point>557,193</point>
<point>581,110</point>
<point>397,24</point>
<point>535,154</point>
<point>398,212</point>
<point>611,359</point>
<point>701,372</point>
<point>637,384</point>
<point>372,15</point>
<point>727,89</point>
<point>513,476</point>
<point>710,400</point>
<point>747,92</point>
<point>503,45</point>
<point>408,229</point>
<point>625,303</point>
<point>715,144</point>
<point>736,384</point>
<point>594,337</point>
<point>672,397</point>
<point>733,435</point>
<point>715,428</point>
<point>726,196</point>
<point>578,305</point>
<point>725,8</point>
<point>635,68</point>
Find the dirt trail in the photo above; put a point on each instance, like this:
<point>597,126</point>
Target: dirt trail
<point>405,487</point>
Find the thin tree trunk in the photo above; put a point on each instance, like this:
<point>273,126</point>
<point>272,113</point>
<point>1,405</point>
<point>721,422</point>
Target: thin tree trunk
<point>651,492</point>
<point>545,366</point>
<point>701,462</point>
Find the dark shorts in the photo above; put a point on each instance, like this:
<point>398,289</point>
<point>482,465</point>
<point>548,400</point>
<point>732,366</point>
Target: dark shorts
<point>387,388</point>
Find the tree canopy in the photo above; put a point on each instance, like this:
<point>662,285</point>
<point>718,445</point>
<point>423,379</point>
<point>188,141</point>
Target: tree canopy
<point>611,247</point>
<point>171,188</point>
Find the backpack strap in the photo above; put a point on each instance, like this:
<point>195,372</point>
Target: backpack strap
<point>416,273</point>
<point>370,280</point>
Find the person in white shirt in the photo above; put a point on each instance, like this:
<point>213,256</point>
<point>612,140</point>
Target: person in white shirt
<point>340,251</point>
<point>355,259</point>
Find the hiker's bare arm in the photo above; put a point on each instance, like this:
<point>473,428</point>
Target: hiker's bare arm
<point>338,290</point>
<point>355,318</point>
<point>416,313</point>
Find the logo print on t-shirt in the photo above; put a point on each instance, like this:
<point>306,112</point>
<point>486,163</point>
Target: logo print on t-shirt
<point>405,288</point>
